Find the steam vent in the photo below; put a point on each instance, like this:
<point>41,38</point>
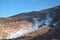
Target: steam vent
<point>35,25</point>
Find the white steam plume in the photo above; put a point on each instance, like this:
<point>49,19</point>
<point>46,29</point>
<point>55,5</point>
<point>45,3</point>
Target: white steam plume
<point>31,28</point>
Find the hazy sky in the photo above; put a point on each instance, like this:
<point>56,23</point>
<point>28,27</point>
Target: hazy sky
<point>12,7</point>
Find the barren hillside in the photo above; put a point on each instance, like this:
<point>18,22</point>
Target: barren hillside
<point>35,25</point>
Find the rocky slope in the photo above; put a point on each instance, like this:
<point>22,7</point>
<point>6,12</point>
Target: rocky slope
<point>36,25</point>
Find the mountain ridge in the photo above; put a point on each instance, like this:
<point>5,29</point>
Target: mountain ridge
<point>48,20</point>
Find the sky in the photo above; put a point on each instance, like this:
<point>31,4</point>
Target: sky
<point>13,7</point>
